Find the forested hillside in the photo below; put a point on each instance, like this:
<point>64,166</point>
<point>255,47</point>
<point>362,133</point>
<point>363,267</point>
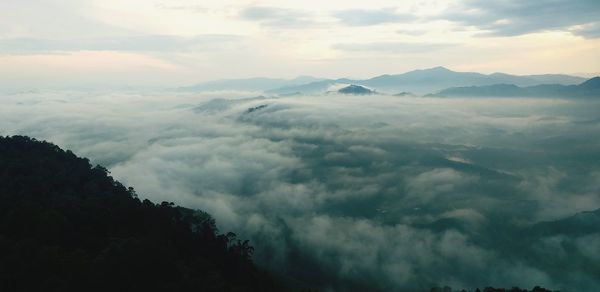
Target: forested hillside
<point>68,226</point>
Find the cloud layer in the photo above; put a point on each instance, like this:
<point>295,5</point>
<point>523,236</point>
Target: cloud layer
<point>378,193</point>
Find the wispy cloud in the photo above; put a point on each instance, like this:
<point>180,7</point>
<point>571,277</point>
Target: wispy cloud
<point>391,47</point>
<point>513,17</point>
<point>191,8</point>
<point>590,30</point>
<point>278,17</point>
<point>358,17</point>
<point>147,43</point>
<point>411,32</point>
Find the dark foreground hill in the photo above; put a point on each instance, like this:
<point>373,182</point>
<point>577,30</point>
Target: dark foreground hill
<point>68,226</point>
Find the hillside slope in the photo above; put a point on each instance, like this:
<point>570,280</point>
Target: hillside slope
<point>68,226</point>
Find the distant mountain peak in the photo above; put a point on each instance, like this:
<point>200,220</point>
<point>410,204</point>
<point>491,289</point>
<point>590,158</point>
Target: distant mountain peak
<point>433,79</point>
<point>405,94</point>
<point>356,90</point>
<point>587,89</point>
<point>439,69</point>
<point>251,84</point>
<point>305,78</point>
<point>592,83</point>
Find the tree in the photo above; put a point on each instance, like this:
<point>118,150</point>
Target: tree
<point>68,226</point>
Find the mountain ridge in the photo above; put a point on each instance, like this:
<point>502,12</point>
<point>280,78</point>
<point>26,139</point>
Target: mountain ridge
<point>353,89</point>
<point>587,89</point>
<point>423,81</point>
<point>249,84</point>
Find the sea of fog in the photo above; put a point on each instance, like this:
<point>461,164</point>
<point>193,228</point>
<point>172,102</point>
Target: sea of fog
<point>357,192</point>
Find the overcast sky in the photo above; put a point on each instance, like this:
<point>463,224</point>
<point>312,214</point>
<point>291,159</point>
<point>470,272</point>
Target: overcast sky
<point>177,42</point>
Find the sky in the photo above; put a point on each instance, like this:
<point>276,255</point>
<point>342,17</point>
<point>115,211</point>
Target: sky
<point>107,43</point>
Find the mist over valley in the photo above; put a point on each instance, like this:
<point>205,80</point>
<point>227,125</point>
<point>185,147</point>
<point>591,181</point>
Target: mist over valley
<point>344,191</point>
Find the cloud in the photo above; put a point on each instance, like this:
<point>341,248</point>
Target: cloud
<point>411,32</point>
<point>190,8</point>
<point>145,43</point>
<point>439,181</point>
<point>512,18</point>
<point>391,47</point>
<point>53,19</point>
<point>589,30</point>
<point>356,17</point>
<point>343,192</point>
<point>277,17</point>
<point>354,249</point>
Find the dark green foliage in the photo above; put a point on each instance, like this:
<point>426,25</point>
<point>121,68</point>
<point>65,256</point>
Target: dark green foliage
<point>67,226</point>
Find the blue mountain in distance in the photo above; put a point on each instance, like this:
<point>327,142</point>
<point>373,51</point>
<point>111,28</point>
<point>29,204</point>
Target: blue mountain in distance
<point>405,94</point>
<point>593,84</point>
<point>431,80</point>
<point>250,84</point>
<point>587,89</point>
<point>419,82</point>
<point>356,90</point>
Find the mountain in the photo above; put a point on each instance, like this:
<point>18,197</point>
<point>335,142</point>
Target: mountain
<point>587,89</point>
<point>68,226</point>
<point>423,80</point>
<point>556,79</point>
<point>405,94</point>
<point>250,84</point>
<point>431,80</point>
<point>592,85</point>
<point>355,90</point>
<point>316,87</point>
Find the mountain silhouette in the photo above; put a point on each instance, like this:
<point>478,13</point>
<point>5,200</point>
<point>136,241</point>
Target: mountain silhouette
<point>587,89</point>
<point>68,226</point>
<point>250,84</point>
<point>355,90</point>
<point>431,80</point>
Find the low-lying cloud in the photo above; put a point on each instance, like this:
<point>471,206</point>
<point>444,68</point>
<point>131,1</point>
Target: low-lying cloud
<point>344,192</point>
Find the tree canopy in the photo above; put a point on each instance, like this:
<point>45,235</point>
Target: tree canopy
<point>68,226</point>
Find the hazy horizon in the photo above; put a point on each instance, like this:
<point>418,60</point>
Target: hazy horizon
<point>191,84</point>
